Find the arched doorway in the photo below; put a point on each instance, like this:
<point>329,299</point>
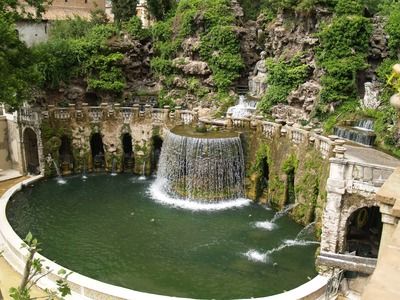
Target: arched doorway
<point>31,151</point>
<point>128,152</point>
<point>157,145</point>
<point>97,148</point>
<point>363,232</point>
<point>290,191</point>
<point>65,152</point>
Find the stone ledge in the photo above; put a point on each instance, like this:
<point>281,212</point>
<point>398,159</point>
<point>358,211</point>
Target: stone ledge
<point>390,192</point>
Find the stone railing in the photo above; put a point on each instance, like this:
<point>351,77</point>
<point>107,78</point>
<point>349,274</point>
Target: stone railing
<point>270,129</point>
<point>365,177</point>
<point>29,117</point>
<point>126,115</point>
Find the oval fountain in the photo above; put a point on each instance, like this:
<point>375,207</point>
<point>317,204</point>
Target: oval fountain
<point>114,229</point>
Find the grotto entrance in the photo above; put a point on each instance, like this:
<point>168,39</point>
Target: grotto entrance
<point>65,152</point>
<point>31,151</point>
<point>128,160</point>
<point>363,232</point>
<point>97,148</point>
<point>157,145</point>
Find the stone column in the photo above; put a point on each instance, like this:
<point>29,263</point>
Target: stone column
<point>229,122</point>
<point>178,115</point>
<point>336,187</point>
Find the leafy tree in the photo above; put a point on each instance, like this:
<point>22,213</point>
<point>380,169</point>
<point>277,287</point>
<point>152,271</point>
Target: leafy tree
<point>34,271</point>
<point>123,10</point>
<point>160,8</point>
<point>17,70</point>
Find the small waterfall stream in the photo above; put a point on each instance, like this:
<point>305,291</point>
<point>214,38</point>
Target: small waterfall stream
<point>243,109</point>
<point>113,173</point>
<point>201,169</point>
<point>361,132</point>
<point>143,176</point>
<point>60,179</point>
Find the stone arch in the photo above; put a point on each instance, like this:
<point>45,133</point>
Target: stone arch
<point>97,151</point>
<point>65,154</point>
<point>31,150</point>
<point>351,203</point>
<point>127,149</point>
<point>157,143</point>
<point>363,231</point>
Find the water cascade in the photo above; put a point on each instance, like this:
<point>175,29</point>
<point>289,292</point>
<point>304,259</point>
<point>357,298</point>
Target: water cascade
<point>303,238</point>
<point>60,180</point>
<point>243,109</point>
<point>113,173</point>
<point>269,225</point>
<point>360,132</point>
<point>84,176</point>
<point>143,176</point>
<point>201,169</point>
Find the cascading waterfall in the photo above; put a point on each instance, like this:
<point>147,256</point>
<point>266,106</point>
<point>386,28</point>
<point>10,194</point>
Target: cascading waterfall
<point>243,109</point>
<point>201,169</point>
<point>361,132</point>
<point>60,179</point>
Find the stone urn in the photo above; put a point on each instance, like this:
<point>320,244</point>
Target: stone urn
<point>395,101</point>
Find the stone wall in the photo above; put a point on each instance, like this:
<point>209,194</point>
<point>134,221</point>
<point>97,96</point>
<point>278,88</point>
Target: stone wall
<point>5,162</point>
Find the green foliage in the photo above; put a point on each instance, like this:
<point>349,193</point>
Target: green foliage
<point>283,77</point>
<point>35,270</point>
<point>135,29</point>
<point>123,10</point>
<point>104,74</point>
<point>79,48</point>
<point>290,164</point>
<point>349,7</point>
<point>342,53</point>
<point>219,45</point>
<point>160,8</point>
<point>76,27</point>
<point>17,71</point>
<point>392,28</point>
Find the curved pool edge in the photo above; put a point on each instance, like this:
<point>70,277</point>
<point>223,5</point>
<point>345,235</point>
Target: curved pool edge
<point>83,287</point>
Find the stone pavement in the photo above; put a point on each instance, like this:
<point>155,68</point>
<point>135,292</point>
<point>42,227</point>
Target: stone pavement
<point>8,277</point>
<point>370,156</point>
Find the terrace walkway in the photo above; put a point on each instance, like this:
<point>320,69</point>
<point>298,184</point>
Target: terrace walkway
<point>8,277</point>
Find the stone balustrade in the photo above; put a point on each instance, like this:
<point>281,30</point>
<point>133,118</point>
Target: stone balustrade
<point>365,177</point>
<point>269,129</point>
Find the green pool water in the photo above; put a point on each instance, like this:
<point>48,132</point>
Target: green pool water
<point>109,228</point>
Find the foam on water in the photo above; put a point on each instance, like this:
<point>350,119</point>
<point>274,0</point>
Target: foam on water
<point>156,192</point>
<point>267,225</point>
<point>254,255</point>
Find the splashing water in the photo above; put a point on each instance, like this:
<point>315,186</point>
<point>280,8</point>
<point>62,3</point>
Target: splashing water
<point>256,256</point>
<point>143,176</point>
<point>267,225</point>
<point>60,179</point>
<point>157,193</point>
<point>282,212</point>
<point>299,240</point>
<point>270,225</point>
<point>113,173</point>
<point>243,109</point>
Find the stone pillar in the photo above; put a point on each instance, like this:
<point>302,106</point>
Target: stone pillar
<point>147,111</point>
<point>166,113</point>
<point>229,122</point>
<point>71,109</point>
<point>195,116</point>
<point>336,187</point>
<point>50,109</point>
<point>136,109</point>
<point>178,115</point>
